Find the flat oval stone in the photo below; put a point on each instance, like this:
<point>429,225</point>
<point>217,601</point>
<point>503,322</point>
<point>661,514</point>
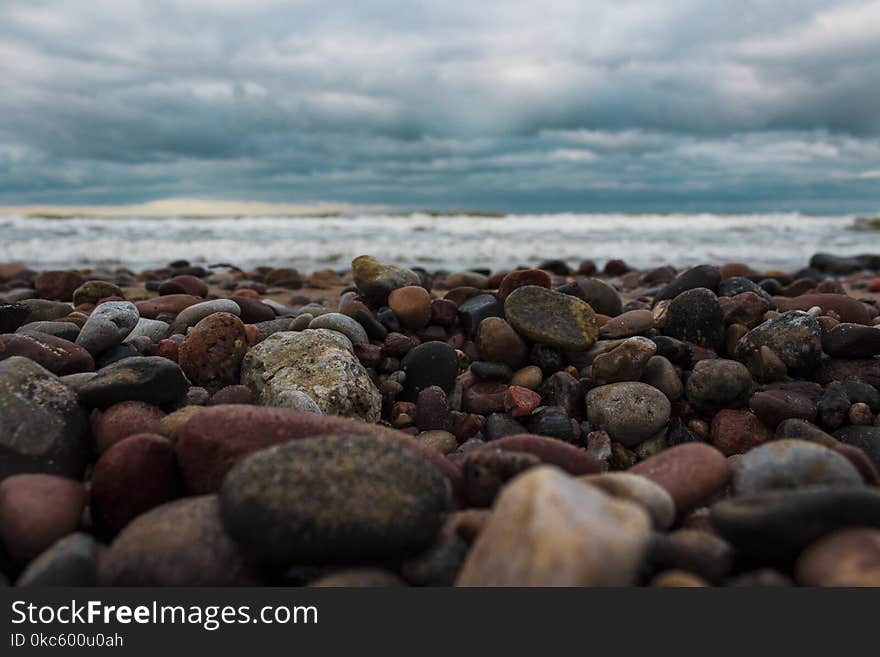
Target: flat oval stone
<point>376,280</point>
<point>790,463</point>
<point>181,543</point>
<point>333,498</point>
<point>550,451</point>
<point>93,291</point>
<point>107,326</point>
<point>153,329</point>
<point>150,379</point>
<point>192,315</point>
<point>630,412</point>
<point>719,383</point>
<point>632,322</point>
<point>778,524</point>
<point>64,330</point>
<point>340,323</point>
<point>705,276</point>
<point>171,304</point>
<point>59,356</point>
<point>549,317</point>
<point>847,308</point>
<point>849,557</point>
<point>795,337</point>
<point>696,316</point>
<point>775,406</point>
<point>852,341</point>
<point>690,473</point>
<point>548,529</point>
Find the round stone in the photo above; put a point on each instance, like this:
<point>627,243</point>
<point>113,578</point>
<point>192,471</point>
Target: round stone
<point>107,326</point>
<point>430,364</point>
<point>551,318</point>
<point>376,281</point>
<point>630,412</point>
<point>640,490</point>
<point>736,432</point>
<point>59,356</point>
<point>125,419</point>
<point>849,557</point>
<point>719,383</point>
<point>790,463</point>
<point>212,352</point>
<point>411,305</point>
<point>498,342</point>
<point>151,379</point>
<point>333,497</point>
<point>91,292</point>
<point>696,316</point>
<point>795,337</point>
<point>70,561</point>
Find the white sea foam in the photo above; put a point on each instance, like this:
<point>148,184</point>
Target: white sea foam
<point>764,240</point>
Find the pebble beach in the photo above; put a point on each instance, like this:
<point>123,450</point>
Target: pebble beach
<point>384,423</point>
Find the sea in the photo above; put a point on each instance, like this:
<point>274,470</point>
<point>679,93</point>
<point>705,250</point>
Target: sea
<point>452,241</point>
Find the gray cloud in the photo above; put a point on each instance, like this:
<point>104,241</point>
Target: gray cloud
<point>532,105</point>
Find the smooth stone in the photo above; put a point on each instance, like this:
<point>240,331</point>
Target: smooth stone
<point>42,428</point>
<point>211,354</point>
<point>795,337</point>
<point>632,322</point>
<point>865,438</point>
<point>778,524</point>
<point>59,356</point>
<point>625,362</point>
<point>529,377</point>
<point>184,284</point>
<point>630,412</point>
<point>12,316</point>
<point>181,543</point>
<point>467,279</point>
<point>376,281</point>
<point>151,379</point>
<point>58,285</point>
<point>429,364</point>
<point>130,478</point>
<point>846,558</point>
<point>343,324</point>
<point>736,432</point>
<point>475,310</point>
<point>485,398</point>
<point>551,318</point>
<point>661,374</point>
<point>192,315</point>
<point>548,529</point>
<point>775,406</point>
<point>154,329</point>
<point>852,341</point>
<point>705,276</point>
<point>70,561</point>
<point>791,463</point>
<point>696,551</point>
<point>746,308</point>
<point>214,439</point>
<point>866,370</point>
<point>601,296</point>
<point>63,330</point>
<point>550,451</point>
<point>696,316</point>
<point>36,510</point>
<point>849,310</point>
<point>487,471</point>
<point>719,383</point>
<point>125,419</point>
<point>443,441</point>
<point>172,304</point>
<point>107,326</point>
<point>690,473</point>
<point>91,292</point>
<point>640,490</point>
<point>41,310</point>
<point>521,278</point>
<point>378,499</point>
<point>319,363</point>
<point>411,305</point>
<point>498,342</point>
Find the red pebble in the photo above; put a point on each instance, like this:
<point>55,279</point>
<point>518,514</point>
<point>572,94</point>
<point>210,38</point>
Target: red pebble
<point>167,349</point>
<point>519,401</point>
<point>252,333</point>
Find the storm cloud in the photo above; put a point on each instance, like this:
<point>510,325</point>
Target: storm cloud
<point>631,104</point>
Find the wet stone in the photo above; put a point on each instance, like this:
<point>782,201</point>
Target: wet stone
<point>696,316</point>
<point>551,318</point>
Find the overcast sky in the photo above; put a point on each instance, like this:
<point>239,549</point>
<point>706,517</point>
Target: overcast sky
<point>511,105</point>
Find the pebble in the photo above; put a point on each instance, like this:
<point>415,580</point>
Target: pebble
<point>701,276</point>
<point>746,308</point>
<point>795,337</point>
<point>149,379</point>
<point>212,352</point>
<point>865,438</point>
<point>633,322</point>
<point>107,326</point>
<point>41,310</point>
<point>429,364</point>
<point>125,419</point>
<point>57,285</point>
<point>521,278</point>
<point>498,342</point>
<point>172,304</point>
<point>375,280</point>
<point>625,362</point>
<point>411,305</point>
<point>70,561</point>
<point>317,363</point>
<point>845,558</point>
<point>432,410</point>
<point>528,377</point>
<point>550,451</point>
<point>42,428</point>
<point>153,329</point>
<point>691,473</point>
<point>791,463</point>
<point>775,406</point>
<point>181,543</point>
<point>253,311</point>
<point>485,398</point>
<point>192,315</point>
<point>778,524</point>
<point>443,441</point>
<point>132,477</point>
<point>12,316</point>
<point>64,330</point>
<point>601,296</point>
<point>846,308</point>
<point>639,490</point>
<point>719,383</point>
<point>91,292</point>
<point>736,432</point>
<point>548,529</point>
<point>551,318</point>
<point>487,471</point>
<point>630,412</point>
<point>36,510</point>
<point>519,401</point>
<point>343,324</point>
<point>184,284</point>
<point>852,341</point>
<point>696,551</point>
<point>377,500</point>
<point>661,374</point>
<point>696,316</point>
<point>477,309</point>
<point>59,356</point>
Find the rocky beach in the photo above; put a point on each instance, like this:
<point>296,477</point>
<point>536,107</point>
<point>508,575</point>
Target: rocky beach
<point>560,423</point>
